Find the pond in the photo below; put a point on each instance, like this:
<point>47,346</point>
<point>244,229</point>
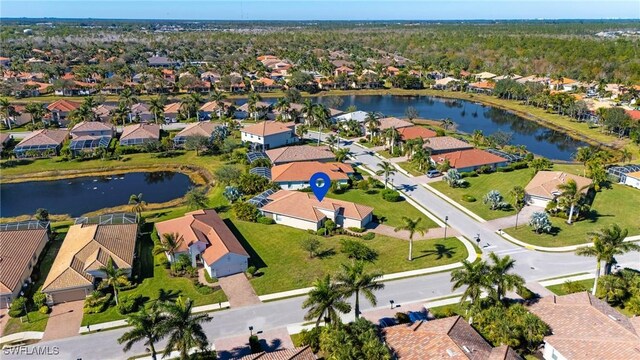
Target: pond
<point>81,195</point>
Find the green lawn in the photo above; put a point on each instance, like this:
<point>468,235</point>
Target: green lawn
<point>391,212</point>
<point>617,205</point>
<point>411,168</point>
<point>560,288</point>
<point>479,186</point>
<point>385,154</point>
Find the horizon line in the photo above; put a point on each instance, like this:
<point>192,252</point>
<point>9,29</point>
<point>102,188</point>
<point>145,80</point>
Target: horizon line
<point>321,20</point>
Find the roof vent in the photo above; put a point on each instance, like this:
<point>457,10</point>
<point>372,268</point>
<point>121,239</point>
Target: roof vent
<point>613,318</point>
<point>451,353</point>
<point>466,349</point>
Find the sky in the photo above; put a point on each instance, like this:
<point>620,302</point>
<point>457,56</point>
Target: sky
<point>323,10</point>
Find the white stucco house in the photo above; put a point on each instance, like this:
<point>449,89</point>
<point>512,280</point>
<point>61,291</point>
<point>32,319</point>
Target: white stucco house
<point>358,116</point>
<point>269,134</point>
<point>632,179</point>
<point>543,188</point>
<point>205,238</point>
<point>296,175</point>
<point>303,211</point>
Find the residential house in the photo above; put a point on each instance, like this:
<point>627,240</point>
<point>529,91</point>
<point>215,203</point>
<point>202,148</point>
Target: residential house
<point>303,211</point>
<point>79,88</point>
<point>269,134</point>
<point>393,122</point>
<point>513,77</point>
<point>288,154</point>
<point>87,136</point>
<point>299,353</point>
<point>446,83</point>
<point>103,112</point>
<point>343,70</point>
<point>543,188</point>
<point>444,144</point>
<point>482,87</point>
<point>633,179</point>
<point>41,143</point>
<point>205,238</point>
<point>22,244</point>
<point>141,113</point>
<point>585,327</point>
<point>265,84</point>
<point>534,79</point>
<point>484,76</point>
<point>634,114</point>
<point>449,338</point>
<point>5,61</point>
<point>470,159</point>
<point>18,115</point>
<point>210,76</point>
<point>161,61</point>
<point>85,249</point>
<point>563,84</point>
<point>359,116</point>
<point>139,134</point>
<point>414,132</point>
<point>60,109</point>
<point>202,128</point>
<point>296,175</point>
<point>392,70</point>
<point>261,110</point>
<point>5,140</point>
<point>212,108</point>
<point>171,111</point>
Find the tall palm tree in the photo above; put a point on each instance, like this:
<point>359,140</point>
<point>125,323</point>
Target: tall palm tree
<point>421,158</point>
<point>169,243</point>
<point>156,107</point>
<point>372,123</point>
<point>342,154</point>
<point>499,276</point>
<point>412,226</point>
<point>325,300</point>
<point>447,124</point>
<point>626,155</point>
<point>183,328</point>
<point>128,99</point>
<point>584,155</point>
<point>392,135</point>
<point>90,102</point>
<point>114,277</point>
<point>332,140</point>
<point>477,138</point>
<point>5,108</point>
<point>36,110</point>
<point>145,326</point>
<point>307,111</point>
<point>219,98</point>
<point>353,280</point>
<point>120,113</point>
<point>473,275</point>
<point>518,195</point>
<point>321,116</point>
<point>282,105</point>
<point>252,102</point>
<point>195,100</point>
<point>386,169</point>
<point>571,196</point>
<point>138,205</point>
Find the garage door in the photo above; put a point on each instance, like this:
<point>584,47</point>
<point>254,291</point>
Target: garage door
<point>71,295</point>
<point>230,268</point>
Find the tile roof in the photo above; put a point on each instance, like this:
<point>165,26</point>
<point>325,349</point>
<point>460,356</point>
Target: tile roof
<point>44,137</point>
<point>299,353</point>
<point>91,126</point>
<point>213,106</point>
<point>204,128</point>
<point>4,137</point>
<point>267,128</point>
<point>635,114</point>
<point>444,143</point>
<point>302,171</point>
<point>305,206</point>
<point>545,183</point>
<point>394,122</point>
<point>88,247</point>
<point>140,108</point>
<point>483,85</point>
<point>172,108</point>
<point>448,338</point>
<point>18,247</point>
<point>103,110</point>
<point>63,105</point>
<point>635,175</point>
<point>141,131</point>
<point>245,107</point>
<point>468,158</point>
<point>414,132</point>
<point>289,154</point>
<point>585,327</point>
<point>207,227</point>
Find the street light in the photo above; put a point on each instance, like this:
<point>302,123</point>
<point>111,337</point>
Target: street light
<point>391,302</point>
<point>251,330</point>
<point>446,218</point>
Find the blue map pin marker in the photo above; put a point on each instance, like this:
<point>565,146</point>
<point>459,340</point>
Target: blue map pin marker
<point>320,184</point>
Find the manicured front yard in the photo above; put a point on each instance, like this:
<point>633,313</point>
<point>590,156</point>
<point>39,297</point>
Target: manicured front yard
<point>560,288</point>
<point>411,168</point>
<point>618,205</point>
<point>479,186</point>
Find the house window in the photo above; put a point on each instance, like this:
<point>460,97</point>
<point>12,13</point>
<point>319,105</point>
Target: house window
<point>277,217</point>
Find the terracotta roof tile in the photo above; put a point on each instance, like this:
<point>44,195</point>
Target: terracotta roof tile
<point>63,105</point>
<point>447,143</point>
<point>267,128</point>
<point>545,183</point>
<point>44,137</point>
<point>204,128</point>
<point>91,126</point>
<point>414,132</point>
<point>299,353</point>
<point>468,158</point>
<point>305,206</point>
<point>141,131</point>
<point>302,171</point>
<point>394,122</point>
<point>289,154</point>
<point>16,252</point>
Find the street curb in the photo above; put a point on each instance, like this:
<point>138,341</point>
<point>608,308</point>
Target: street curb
<point>554,249</point>
<point>22,336</point>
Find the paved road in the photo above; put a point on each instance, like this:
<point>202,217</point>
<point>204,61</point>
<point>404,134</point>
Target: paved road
<point>532,265</point>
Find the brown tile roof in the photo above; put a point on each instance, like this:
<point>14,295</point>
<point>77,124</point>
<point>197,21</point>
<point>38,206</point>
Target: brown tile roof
<point>585,327</point>
<point>267,128</point>
<point>503,352</point>
<point>103,110</point>
<point>44,137</point>
<point>141,131</point>
<point>266,81</point>
<point>444,143</point>
<point>91,126</point>
<point>140,108</point>
<point>483,85</point>
<point>289,154</point>
<point>305,206</point>
<point>299,353</point>
<point>204,128</point>
<point>545,183</point>
<point>302,171</point>
<point>394,122</point>
<point>448,338</point>
<point>88,247</point>
<point>4,137</point>
<point>16,252</point>
<point>414,132</point>
<point>213,106</point>
<point>245,107</point>
<point>207,227</point>
<point>467,158</point>
<point>172,108</point>
<point>63,105</point>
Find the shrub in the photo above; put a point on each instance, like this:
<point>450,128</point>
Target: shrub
<point>266,220</point>
<point>526,294</point>
<point>39,299</point>
<point>202,289</point>
<point>97,302</point>
<point>128,304</point>
<point>254,344</point>
<point>402,318</point>
<point>571,287</point>
<point>310,245</point>
<point>540,222</point>
<point>363,185</point>
<point>519,165</point>
<point>164,262</point>
<point>468,198</point>
<point>336,188</point>
<point>362,141</point>
<point>321,231</point>
<point>484,169</point>
<point>209,279</point>
<point>330,225</point>
<point>357,250</point>
<point>311,338</point>
<point>245,211</point>
<point>252,271</point>
<point>44,309</point>
<point>356,229</point>
<point>368,236</point>
<point>390,195</point>
<point>17,307</point>
<point>504,169</point>
<point>182,263</point>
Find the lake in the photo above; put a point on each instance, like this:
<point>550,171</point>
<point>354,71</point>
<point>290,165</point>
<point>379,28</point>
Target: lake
<point>81,195</point>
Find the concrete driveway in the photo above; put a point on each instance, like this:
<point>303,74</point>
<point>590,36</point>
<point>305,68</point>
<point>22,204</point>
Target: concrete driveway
<point>4,317</point>
<point>238,290</point>
<point>64,321</point>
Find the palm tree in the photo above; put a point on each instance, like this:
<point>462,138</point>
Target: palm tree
<point>571,196</point>
<point>332,140</point>
<point>353,280</point>
<point>499,275</point>
<point>128,99</point>
<point>372,123</point>
<point>477,138</point>
<point>518,195</point>
<point>584,155</point>
<point>5,108</point>
<point>219,98</point>
<point>625,155</point>
<point>138,204</point>
<point>252,102</point>
<point>473,275</point>
<point>447,124</point>
<point>342,154</point>
<point>120,113</point>
<point>145,327</point>
<point>412,226</point>
<point>114,277</point>
<point>325,300</point>
<point>183,328</point>
<point>169,243</point>
<point>282,105</point>
<point>36,110</point>
<point>156,107</point>
<point>421,158</point>
<point>307,111</point>
<point>387,170</point>
<point>392,135</point>
<point>321,115</point>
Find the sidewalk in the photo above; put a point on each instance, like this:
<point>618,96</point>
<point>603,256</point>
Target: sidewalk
<point>554,249</point>
<point>433,233</point>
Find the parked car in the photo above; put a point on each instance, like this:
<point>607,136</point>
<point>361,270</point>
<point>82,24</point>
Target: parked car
<point>433,173</point>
